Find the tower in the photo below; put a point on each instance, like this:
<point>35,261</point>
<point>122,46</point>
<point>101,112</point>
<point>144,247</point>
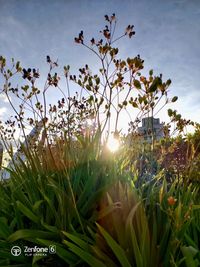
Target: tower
<point>151,127</point>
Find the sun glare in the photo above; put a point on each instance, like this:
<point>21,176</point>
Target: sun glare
<point>113,144</point>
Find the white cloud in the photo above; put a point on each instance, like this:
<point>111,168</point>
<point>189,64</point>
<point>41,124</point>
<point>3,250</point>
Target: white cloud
<point>167,37</point>
<point>3,98</point>
<point>3,111</point>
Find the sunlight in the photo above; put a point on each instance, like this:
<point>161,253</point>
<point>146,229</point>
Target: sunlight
<point>113,144</point>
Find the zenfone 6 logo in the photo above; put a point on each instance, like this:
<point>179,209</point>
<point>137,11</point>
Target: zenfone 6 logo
<point>16,251</point>
<point>33,251</point>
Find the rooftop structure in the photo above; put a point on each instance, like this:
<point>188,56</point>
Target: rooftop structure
<point>151,127</point>
<point>1,154</point>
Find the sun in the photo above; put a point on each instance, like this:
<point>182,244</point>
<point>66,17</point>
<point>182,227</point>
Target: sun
<point>113,144</point>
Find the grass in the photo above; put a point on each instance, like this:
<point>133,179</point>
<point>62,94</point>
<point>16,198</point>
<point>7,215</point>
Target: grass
<point>89,207</point>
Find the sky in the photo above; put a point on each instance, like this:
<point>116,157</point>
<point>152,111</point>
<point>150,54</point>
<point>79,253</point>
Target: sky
<point>167,38</point>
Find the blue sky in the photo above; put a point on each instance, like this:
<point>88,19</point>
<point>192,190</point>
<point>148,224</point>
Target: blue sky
<point>167,38</point>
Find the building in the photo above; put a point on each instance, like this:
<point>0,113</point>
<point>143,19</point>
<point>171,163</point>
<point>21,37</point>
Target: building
<point>151,127</point>
<point>1,154</point>
<point>19,155</point>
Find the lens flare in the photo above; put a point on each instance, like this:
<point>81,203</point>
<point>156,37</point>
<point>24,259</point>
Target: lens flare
<point>113,144</point>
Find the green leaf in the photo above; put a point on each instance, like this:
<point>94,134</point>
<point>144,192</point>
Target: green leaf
<point>26,233</point>
<point>27,212</point>
<point>130,230</point>
<point>189,254</point>
<point>61,252</point>
<point>50,228</point>
<point>174,99</point>
<point>116,248</point>
<point>79,82</point>
<point>4,229</point>
<point>190,241</point>
<point>134,104</point>
<point>17,65</point>
<point>168,82</point>
<point>156,82</point>
<point>170,112</point>
<point>84,255</point>
<point>102,256</point>
<point>37,258</point>
<point>97,80</point>
<point>151,72</point>
<point>196,207</point>
<point>125,103</point>
<point>37,204</point>
<point>82,244</point>
<point>88,87</point>
<point>137,84</point>
<point>107,210</point>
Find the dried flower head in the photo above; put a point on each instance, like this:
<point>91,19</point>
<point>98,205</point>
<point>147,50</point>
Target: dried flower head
<point>171,201</point>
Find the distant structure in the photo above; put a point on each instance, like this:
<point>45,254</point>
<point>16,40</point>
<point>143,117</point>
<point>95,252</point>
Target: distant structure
<point>19,156</point>
<point>1,154</point>
<point>151,127</point>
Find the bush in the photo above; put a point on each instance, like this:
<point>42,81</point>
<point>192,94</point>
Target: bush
<point>66,189</point>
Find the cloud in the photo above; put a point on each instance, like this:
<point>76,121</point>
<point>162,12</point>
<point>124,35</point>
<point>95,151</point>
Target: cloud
<point>3,111</point>
<point>12,35</point>
<point>4,98</point>
<point>167,37</point>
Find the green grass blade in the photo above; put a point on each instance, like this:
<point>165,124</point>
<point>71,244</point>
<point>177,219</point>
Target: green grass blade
<point>189,254</point>
<point>116,248</point>
<point>61,252</point>
<point>26,233</point>
<point>27,212</point>
<point>84,255</point>
<point>4,229</point>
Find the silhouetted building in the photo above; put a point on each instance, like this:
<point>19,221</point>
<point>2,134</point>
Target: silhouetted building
<point>151,127</point>
<point>1,154</point>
